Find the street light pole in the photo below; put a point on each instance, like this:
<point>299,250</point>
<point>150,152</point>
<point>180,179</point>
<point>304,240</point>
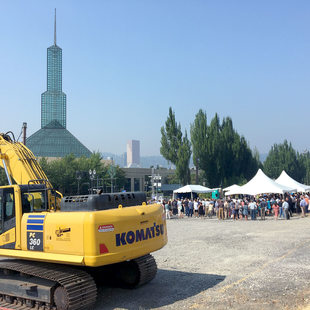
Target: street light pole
<point>79,178</point>
<point>112,173</point>
<point>157,183</point>
<point>152,180</point>
<point>92,174</point>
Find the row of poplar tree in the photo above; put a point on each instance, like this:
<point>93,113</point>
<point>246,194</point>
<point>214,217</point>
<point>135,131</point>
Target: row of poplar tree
<point>222,155</point>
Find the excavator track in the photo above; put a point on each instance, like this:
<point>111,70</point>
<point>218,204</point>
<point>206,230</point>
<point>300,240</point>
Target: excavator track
<point>147,269</point>
<point>130,274</point>
<point>74,288</point>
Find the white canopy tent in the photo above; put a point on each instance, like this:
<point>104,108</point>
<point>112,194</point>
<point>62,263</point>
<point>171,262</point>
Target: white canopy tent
<point>261,184</point>
<point>286,180</point>
<point>192,189</point>
<point>232,188</point>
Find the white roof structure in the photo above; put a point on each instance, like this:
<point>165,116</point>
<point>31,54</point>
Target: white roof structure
<point>261,184</point>
<point>193,189</point>
<point>231,188</point>
<point>286,180</point>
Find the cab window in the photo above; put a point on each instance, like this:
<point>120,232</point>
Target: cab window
<point>27,199</point>
<point>7,203</point>
<point>8,206</point>
<point>39,201</point>
<point>33,202</point>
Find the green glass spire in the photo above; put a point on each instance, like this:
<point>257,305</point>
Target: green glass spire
<point>53,139</point>
<point>53,101</point>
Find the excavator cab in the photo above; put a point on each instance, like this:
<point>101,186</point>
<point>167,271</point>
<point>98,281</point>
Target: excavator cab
<point>15,201</point>
<point>34,198</point>
<point>7,218</point>
<point>7,205</point>
<point>41,196</point>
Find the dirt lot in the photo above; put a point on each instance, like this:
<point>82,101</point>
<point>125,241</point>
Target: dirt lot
<point>211,264</point>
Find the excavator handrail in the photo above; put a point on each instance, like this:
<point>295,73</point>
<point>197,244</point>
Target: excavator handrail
<point>41,181</point>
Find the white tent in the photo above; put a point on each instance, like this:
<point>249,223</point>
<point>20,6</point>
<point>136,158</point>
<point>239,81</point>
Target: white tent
<point>232,188</point>
<point>286,180</point>
<point>261,184</point>
<point>192,189</point>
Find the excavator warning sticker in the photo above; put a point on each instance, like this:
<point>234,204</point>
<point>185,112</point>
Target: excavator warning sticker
<point>106,228</point>
<point>35,224</point>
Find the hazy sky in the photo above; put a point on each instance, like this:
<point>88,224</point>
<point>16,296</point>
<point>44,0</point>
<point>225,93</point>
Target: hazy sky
<point>125,62</point>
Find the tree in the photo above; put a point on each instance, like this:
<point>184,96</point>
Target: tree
<point>3,178</point>
<point>171,138</point>
<point>304,163</point>
<point>230,151</point>
<point>212,166</point>
<point>224,155</point>
<point>118,181</point>
<point>182,165</point>
<point>61,174</point>
<point>70,175</point>
<point>175,148</point>
<point>282,157</point>
<point>199,141</point>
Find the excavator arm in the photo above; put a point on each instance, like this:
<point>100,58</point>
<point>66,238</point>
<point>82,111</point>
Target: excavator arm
<point>21,166</point>
<point>20,163</point>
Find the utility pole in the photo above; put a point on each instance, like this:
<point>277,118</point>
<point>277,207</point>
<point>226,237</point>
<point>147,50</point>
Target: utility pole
<point>24,133</point>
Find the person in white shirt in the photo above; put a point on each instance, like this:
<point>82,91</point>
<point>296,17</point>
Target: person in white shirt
<point>285,207</point>
<point>253,207</point>
<point>167,209</point>
<point>207,203</point>
<point>179,204</point>
<point>195,208</point>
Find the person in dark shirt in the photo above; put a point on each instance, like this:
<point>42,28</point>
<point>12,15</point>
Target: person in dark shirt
<point>263,206</point>
<point>191,208</point>
<point>186,207</point>
<point>281,213</point>
<point>290,205</point>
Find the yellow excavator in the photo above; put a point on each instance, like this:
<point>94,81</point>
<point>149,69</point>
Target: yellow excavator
<point>55,249</point>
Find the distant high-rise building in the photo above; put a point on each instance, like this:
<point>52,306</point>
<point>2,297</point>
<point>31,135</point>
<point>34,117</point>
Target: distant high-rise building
<point>124,158</point>
<point>133,153</point>
<point>53,139</point>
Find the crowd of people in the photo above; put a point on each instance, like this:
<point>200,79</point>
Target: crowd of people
<point>277,206</point>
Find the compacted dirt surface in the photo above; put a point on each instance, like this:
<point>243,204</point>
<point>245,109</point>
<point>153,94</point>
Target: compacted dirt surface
<point>211,264</point>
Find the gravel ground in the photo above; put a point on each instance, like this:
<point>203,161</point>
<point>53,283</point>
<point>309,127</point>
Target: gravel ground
<point>211,264</point>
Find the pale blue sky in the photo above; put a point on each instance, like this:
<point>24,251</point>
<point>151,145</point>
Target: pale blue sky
<point>125,62</point>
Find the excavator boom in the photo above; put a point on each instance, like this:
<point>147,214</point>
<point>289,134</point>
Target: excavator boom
<point>22,168</point>
<point>19,163</point>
